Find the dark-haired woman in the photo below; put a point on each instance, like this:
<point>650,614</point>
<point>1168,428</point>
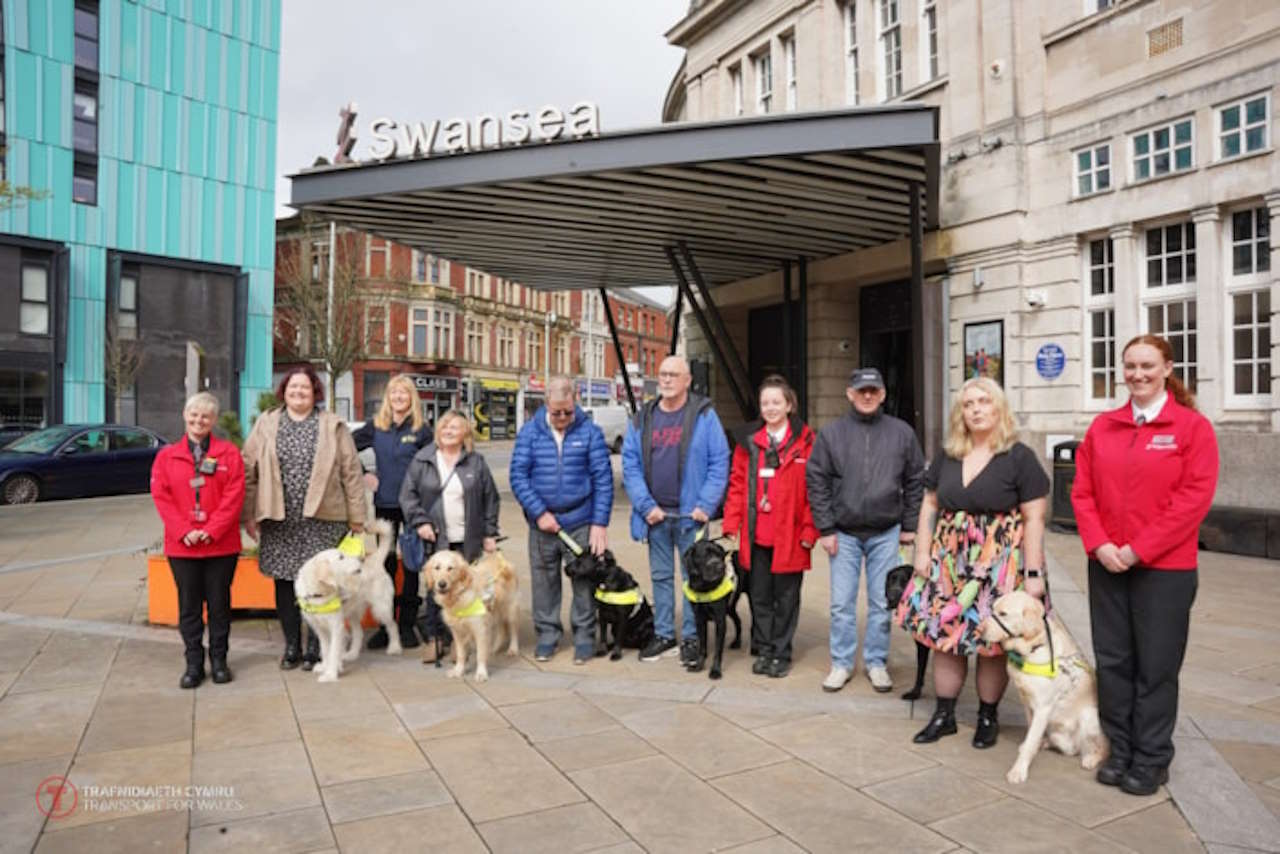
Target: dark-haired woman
<point>1145,477</point>
<point>303,492</point>
<point>767,511</point>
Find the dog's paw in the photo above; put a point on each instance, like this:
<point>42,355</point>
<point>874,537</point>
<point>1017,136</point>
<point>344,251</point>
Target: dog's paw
<point>715,673</point>
<point>482,674</point>
<point>513,650</point>
<point>1091,760</point>
<point>455,672</point>
<point>327,677</point>
<point>394,649</point>
<point>1017,774</point>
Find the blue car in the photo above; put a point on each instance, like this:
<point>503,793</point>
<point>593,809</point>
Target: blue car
<point>78,461</point>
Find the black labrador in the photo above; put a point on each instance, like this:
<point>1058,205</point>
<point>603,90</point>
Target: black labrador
<point>623,614</point>
<point>895,584</point>
<point>712,592</point>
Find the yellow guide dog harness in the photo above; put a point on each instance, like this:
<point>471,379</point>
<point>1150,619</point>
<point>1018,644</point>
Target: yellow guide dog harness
<point>352,545</point>
<point>722,590</point>
<point>475,609</point>
<point>623,597</point>
<point>328,606</point>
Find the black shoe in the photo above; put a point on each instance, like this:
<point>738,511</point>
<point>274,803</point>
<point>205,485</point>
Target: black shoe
<point>378,640</point>
<point>942,723</point>
<point>987,732</point>
<point>408,637</point>
<point>292,657</point>
<point>657,648</point>
<point>1144,779</point>
<point>778,667</point>
<point>1112,771</point>
<point>219,670</point>
<point>761,666</point>
<point>193,677</point>
<point>689,652</point>
<point>311,657</point>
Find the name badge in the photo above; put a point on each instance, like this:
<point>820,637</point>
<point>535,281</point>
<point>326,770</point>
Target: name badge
<point>196,482</point>
<point>767,472</point>
<point>207,466</point>
<point>408,440</point>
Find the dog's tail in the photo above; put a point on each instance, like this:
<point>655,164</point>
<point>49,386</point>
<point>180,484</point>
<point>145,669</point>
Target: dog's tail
<point>381,529</point>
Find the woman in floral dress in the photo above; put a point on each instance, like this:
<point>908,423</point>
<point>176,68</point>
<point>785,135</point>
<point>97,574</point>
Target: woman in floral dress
<point>987,491</point>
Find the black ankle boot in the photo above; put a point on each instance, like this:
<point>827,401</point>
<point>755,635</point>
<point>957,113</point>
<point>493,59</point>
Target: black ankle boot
<point>942,723</point>
<point>988,729</point>
<point>193,676</point>
<point>218,669</point>
<point>292,655</point>
<point>312,656</point>
<point>377,640</point>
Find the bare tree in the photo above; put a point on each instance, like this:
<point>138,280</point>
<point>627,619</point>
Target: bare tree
<point>123,360</point>
<point>302,299</point>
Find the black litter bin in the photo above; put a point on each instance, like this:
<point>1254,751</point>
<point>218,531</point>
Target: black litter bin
<point>1062,517</point>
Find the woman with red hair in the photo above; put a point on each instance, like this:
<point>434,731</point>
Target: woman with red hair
<point>1145,477</point>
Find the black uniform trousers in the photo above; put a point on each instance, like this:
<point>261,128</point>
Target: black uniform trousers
<point>408,601</point>
<point>1140,620</point>
<point>201,581</point>
<point>775,605</point>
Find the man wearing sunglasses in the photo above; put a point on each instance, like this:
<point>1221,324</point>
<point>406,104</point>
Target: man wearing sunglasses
<point>866,482</point>
<point>675,468</point>
<point>562,478</point>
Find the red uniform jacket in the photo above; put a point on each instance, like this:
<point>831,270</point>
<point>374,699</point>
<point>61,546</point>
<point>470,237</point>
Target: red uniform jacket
<point>1146,486</point>
<point>792,521</point>
<point>221,497</point>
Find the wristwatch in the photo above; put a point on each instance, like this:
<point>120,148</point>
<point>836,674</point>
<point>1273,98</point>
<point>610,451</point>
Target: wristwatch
<point>1030,572</point>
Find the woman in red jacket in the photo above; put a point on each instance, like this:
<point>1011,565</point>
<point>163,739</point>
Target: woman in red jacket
<point>767,512</point>
<point>1145,477</point>
<point>198,487</point>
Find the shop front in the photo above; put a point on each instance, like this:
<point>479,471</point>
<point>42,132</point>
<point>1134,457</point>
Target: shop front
<point>494,409</point>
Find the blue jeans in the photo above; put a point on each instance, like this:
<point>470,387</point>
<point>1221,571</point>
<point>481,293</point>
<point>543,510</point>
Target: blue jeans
<point>881,553</point>
<point>667,538</point>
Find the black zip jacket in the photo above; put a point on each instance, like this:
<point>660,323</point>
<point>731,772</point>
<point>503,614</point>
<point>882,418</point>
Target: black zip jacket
<point>866,474</point>
<point>421,490</point>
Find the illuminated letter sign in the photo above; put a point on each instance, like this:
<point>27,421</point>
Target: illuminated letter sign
<point>487,131</point>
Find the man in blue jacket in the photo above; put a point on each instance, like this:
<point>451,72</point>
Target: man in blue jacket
<point>561,476</point>
<point>675,467</point>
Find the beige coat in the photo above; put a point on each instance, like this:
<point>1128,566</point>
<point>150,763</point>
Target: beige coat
<point>336,489</point>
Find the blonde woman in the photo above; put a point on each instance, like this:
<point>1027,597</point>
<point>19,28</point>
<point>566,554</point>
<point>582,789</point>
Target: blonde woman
<point>449,498</point>
<point>987,491</point>
<point>396,433</point>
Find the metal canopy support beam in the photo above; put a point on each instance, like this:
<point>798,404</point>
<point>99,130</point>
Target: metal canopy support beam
<point>917,310</point>
<point>683,285</point>
<point>617,348</point>
<point>675,322</point>
<point>802,345</point>
<point>734,363</point>
<point>787,353</point>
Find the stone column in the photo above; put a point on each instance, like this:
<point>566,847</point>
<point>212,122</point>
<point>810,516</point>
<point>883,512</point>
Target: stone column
<point>1273,208</point>
<point>1124,258</point>
<point>1210,390</point>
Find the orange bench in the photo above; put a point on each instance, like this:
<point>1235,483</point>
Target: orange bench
<point>250,590</point>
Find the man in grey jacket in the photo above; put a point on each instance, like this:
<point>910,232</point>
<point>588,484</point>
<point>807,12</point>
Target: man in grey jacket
<point>866,480</point>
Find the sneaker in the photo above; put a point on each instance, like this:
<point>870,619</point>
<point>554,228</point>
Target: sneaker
<point>657,648</point>
<point>837,678</point>
<point>581,655</point>
<point>879,678</point>
<point>778,668</point>
<point>544,652</point>
<point>761,666</point>
<point>689,652</point>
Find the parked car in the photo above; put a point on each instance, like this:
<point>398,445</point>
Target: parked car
<point>9,432</point>
<point>78,461</point>
<point>612,421</point>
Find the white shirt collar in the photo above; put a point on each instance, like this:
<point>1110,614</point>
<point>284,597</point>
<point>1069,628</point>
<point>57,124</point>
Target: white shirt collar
<point>1150,412</point>
<point>779,434</point>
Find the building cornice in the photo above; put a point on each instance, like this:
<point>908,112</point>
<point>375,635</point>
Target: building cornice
<point>698,20</point>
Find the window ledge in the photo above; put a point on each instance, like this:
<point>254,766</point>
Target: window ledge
<point>1146,182</point>
<point>1095,194</point>
<point>1226,161</point>
<point>919,90</point>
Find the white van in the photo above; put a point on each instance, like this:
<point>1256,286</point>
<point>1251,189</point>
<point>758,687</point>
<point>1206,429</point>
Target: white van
<point>613,423</point>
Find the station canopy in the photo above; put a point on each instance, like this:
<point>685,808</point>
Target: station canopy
<point>744,196</point>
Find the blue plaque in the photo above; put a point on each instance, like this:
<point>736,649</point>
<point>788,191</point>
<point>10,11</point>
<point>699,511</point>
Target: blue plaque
<point>1050,361</point>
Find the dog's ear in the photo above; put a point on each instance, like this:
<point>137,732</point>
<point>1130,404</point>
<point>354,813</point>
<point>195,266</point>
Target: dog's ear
<point>324,572</point>
<point>1032,611</point>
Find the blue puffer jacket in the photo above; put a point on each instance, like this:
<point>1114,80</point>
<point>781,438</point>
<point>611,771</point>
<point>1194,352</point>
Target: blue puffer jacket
<point>575,484</point>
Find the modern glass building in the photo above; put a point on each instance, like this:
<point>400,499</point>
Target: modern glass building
<point>145,269</point>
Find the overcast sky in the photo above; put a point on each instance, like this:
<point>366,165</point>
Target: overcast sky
<point>418,60</point>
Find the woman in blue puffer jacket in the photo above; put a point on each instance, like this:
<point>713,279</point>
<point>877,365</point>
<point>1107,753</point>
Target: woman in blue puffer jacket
<point>562,477</point>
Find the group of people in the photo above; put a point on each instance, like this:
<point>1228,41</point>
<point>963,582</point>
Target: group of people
<point>859,488</point>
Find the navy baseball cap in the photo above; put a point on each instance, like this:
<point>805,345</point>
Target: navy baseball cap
<point>866,378</point>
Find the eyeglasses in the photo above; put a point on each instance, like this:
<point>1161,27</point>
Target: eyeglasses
<point>560,413</point>
<point>670,375</point>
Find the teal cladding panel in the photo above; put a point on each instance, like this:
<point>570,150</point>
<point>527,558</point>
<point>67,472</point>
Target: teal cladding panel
<point>186,154</point>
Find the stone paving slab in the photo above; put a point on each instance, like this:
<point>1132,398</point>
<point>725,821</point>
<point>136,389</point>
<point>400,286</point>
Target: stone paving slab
<point>384,796</point>
<point>1219,805</point>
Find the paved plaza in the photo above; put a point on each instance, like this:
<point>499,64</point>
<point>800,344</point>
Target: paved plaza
<point>614,757</point>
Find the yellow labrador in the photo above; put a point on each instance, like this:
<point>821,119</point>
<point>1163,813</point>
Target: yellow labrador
<point>1057,688</point>
<point>475,600</point>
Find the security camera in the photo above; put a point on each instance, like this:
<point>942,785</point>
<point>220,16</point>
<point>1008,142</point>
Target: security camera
<point>1037,299</point>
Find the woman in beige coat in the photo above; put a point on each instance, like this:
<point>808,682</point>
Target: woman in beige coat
<point>303,492</point>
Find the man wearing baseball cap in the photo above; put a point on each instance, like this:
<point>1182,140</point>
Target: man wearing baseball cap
<point>866,480</point>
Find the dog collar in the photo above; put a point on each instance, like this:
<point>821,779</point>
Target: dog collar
<point>328,606</point>
<point>722,590</point>
<point>624,597</point>
<point>1031,668</point>
<point>475,609</point>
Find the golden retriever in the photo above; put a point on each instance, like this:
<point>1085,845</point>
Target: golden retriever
<point>475,599</point>
<point>1060,695</point>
